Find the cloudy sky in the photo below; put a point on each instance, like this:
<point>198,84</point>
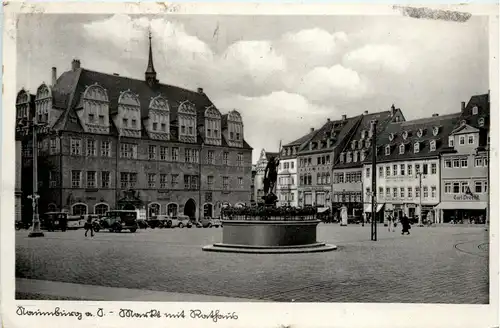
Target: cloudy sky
<point>285,74</point>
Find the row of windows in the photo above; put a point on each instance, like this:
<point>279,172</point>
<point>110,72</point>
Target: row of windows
<point>322,178</point>
<point>405,192</point>
<point>129,180</point>
<point>462,187</point>
<point>320,160</point>
<point>464,162</point>
<point>287,165</point>
<point>347,197</point>
<point>286,197</point>
<point>403,170</point>
<point>286,181</point>
<point>352,157</point>
<point>128,150</point>
<point>349,177</point>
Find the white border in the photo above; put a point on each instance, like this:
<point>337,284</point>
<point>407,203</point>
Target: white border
<point>250,314</point>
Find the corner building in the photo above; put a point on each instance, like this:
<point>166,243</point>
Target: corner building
<point>122,143</point>
<point>465,165</point>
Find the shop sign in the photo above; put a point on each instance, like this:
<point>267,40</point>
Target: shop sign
<point>466,197</point>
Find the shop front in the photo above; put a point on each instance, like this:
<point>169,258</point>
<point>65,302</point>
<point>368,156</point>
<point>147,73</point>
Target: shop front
<point>462,212</point>
<point>379,212</point>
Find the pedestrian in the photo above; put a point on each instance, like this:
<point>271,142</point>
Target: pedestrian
<point>88,226</point>
<point>390,223</point>
<point>405,223</point>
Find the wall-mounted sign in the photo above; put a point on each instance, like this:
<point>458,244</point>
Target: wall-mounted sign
<point>466,197</point>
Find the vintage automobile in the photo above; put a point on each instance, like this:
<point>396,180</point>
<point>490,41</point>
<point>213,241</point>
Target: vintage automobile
<point>180,221</point>
<point>208,222</point>
<point>158,221</point>
<point>118,220</point>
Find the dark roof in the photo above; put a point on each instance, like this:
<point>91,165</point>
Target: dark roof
<point>335,131</point>
<point>271,154</point>
<point>71,85</point>
<point>445,124</point>
<point>302,139</point>
<point>483,105</point>
<point>383,119</point>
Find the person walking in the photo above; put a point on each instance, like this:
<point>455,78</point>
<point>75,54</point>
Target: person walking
<point>405,223</point>
<point>88,226</point>
<point>390,223</point>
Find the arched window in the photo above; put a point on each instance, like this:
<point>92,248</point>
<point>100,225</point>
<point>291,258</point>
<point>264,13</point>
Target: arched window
<point>416,147</point>
<point>391,136</point>
<point>101,209</point>
<point>318,178</point>
<point>405,135</point>
<point>387,150</point>
<point>475,110</point>
<point>435,130</point>
<point>153,209</point>
<point>79,209</point>
<point>420,133</point>
<point>481,122</point>
<point>172,209</point>
<point>402,149</point>
<point>433,145</point>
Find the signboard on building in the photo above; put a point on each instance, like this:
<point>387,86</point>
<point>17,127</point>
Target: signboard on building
<point>466,197</point>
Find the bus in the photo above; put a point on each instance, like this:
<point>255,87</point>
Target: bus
<point>118,220</point>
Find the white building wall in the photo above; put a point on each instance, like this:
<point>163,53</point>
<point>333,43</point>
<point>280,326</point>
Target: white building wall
<point>287,183</point>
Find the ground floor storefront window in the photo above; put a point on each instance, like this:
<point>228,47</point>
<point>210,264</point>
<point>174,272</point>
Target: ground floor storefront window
<point>464,216</point>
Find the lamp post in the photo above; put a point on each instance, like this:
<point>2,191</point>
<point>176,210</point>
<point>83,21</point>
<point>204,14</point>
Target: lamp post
<point>419,175</point>
<point>199,182</point>
<point>374,180</point>
<point>35,228</point>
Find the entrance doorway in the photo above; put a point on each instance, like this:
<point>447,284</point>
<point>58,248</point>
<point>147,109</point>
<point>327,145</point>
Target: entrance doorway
<point>190,209</point>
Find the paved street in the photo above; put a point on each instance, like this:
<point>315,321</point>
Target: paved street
<point>444,264</point>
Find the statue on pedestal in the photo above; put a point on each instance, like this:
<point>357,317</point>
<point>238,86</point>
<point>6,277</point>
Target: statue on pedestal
<point>270,178</point>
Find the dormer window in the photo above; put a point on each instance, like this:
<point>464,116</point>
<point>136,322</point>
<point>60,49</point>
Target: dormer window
<point>401,149</point>
<point>435,130</point>
<point>391,136</point>
<point>342,157</point>
<point>433,145</point>
<point>451,141</point>
<point>405,135</point>
<point>363,155</point>
<point>420,133</point>
<point>355,159</point>
<point>360,144</point>
<point>416,147</point>
<point>463,122</point>
<point>475,110</point>
<point>481,122</point>
<point>363,134</point>
<point>353,145</point>
<point>387,150</point>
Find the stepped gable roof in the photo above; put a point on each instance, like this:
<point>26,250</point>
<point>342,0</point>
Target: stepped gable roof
<point>395,130</point>
<point>336,131</point>
<point>383,119</point>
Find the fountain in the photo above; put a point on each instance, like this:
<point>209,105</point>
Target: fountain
<point>267,229</point>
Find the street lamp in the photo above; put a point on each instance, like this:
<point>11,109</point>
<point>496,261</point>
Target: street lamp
<point>374,180</point>
<point>419,175</point>
<point>35,229</point>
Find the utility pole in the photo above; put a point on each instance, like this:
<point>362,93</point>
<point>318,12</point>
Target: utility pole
<point>419,174</point>
<point>200,160</point>
<point>374,180</point>
<point>36,230</point>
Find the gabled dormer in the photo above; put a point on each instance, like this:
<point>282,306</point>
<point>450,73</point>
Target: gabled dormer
<point>93,110</point>
<point>23,100</point>
<point>43,103</point>
<point>187,122</point>
<point>234,135</point>
<point>213,126</point>
<point>128,118</point>
<point>158,121</point>
<point>465,138</point>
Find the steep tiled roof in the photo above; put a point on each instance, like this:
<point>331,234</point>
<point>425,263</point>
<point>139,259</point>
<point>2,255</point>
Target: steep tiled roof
<point>71,85</point>
<point>394,137</point>
<point>302,139</point>
<point>383,119</point>
<point>335,131</point>
<point>483,106</point>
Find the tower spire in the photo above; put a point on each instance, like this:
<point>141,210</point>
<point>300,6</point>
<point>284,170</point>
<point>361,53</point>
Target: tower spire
<point>150,74</point>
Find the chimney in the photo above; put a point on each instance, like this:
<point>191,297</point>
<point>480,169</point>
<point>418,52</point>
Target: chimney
<point>54,76</point>
<point>463,106</point>
<point>393,110</point>
<point>344,117</point>
<point>328,120</point>
<point>75,64</point>
<point>200,90</point>
<point>435,115</point>
<point>312,129</point>
<point>366,112</point>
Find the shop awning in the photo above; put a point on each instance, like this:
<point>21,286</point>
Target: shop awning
<point>322,209</point>
<point>461,206</point>
<point>368,208</point>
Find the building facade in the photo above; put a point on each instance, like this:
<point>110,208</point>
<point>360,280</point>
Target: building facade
<point>465,166</point>
<point>347,182</point>
<point>116,142</point>
<point>260,168</point>
<point>287,177</point>
<point>315,158</point>
<point>408,169</point>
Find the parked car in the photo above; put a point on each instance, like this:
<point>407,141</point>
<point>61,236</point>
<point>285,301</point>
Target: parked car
<point>158,221</point>
<point>180,221</point>
<point>208,222</point>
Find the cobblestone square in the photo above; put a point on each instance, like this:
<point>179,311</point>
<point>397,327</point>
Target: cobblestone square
<point>444,264</point>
